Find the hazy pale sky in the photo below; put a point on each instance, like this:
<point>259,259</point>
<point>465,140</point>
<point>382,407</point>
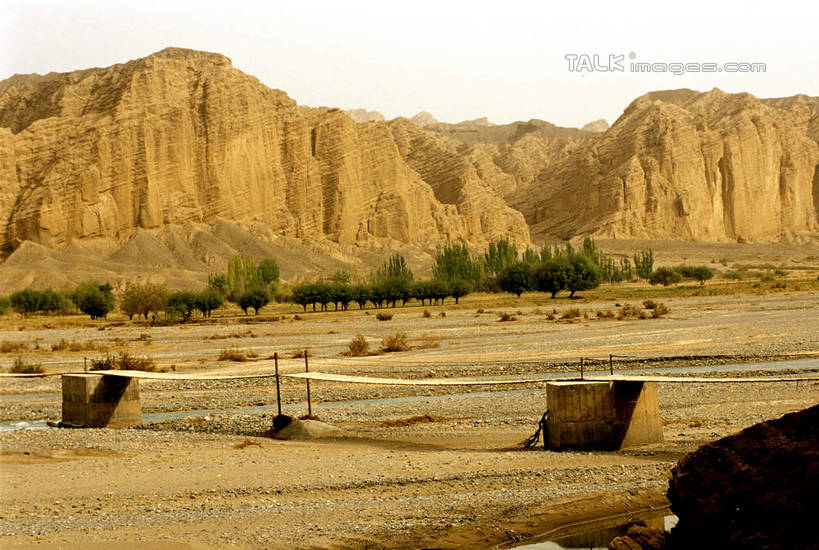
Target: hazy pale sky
<point>457,60</point>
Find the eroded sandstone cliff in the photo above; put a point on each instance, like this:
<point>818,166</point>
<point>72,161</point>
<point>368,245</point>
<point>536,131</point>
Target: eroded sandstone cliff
<point>181,136</point>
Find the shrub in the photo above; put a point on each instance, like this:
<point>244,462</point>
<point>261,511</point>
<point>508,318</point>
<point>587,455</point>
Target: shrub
<point>504,317</point>
<point>733,275</point>
<point>123,361</point>
<point>300,354</point>
<point>571,313</point>
<point>628,310</point>
<point>22,367</point>
<point>12,347</point>
<point>233,354</point>
<point>649,304</point>
<point>607,314</point>
<point>384,316</point>
<point>397,341</point>
<point>659,310</point>
<point>426,314</point>
<point>358,346</point>
<point>4,304</point>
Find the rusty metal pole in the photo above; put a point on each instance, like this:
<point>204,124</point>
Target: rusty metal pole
<point>581,368</point>
<point>278,391</point>
<point>307,369</point>
<point>611,364</point>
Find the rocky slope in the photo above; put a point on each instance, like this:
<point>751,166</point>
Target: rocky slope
<point>685,165</point>
<point>181,136</point>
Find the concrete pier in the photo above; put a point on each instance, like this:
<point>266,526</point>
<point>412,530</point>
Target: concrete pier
<point>602,415</point>
<point>99,401</point>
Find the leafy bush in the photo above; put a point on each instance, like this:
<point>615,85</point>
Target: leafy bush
<point>358,346</point>
<point>20,366</point>
<point>384,316</point>
<point>733,275</point>
<point>397,341</point>
<point>659,310</point>
<point>649,304</point>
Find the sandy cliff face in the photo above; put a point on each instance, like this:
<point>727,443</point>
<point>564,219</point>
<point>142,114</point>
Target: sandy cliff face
<point>181,136</point>
<point>684,165</point>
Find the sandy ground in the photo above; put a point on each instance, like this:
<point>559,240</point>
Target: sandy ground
<point>460,478</point>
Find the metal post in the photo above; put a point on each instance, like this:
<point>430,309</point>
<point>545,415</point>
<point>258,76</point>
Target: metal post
<point>307,369</point>
<point>278,392</point>
<point>611,364</point>
<point>581,368</point>
<point>85,363</point>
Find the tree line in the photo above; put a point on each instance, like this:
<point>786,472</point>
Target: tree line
<point>456,272</point>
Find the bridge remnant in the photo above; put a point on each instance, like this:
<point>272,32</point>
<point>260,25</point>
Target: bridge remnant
<point>100,401</point>
<point>602,414</point>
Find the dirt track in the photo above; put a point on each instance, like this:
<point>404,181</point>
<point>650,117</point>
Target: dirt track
<point>461,479</point>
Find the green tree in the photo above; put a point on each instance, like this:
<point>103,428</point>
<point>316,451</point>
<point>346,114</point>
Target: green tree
<point>664,276</point>
<point>268,272</point>
<point>644,263</point>
<point>583,274</point>
<point>516,278</point>
<point>500,255</point>
<point>459,288</point>
<point>395,267</point>
<point>4,304</point>
<point>256,299</point>
<point>454,261</point>
<point>26,301</point>
<point>242,276</point>
<point>143,299</point>
<point>551,276</point>
<point>208,301</point>
<point>182,304</point>
<point>94,299</point>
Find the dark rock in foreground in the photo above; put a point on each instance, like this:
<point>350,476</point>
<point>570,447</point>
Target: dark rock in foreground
<point>754,489</point>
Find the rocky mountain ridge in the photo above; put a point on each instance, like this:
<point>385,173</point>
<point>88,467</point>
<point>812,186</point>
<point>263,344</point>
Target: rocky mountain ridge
<point>181,137</point>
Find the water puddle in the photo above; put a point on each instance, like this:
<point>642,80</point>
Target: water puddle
<point>596,535</point>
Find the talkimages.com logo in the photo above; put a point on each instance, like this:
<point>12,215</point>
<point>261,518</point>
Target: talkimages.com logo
<point>596,63</point>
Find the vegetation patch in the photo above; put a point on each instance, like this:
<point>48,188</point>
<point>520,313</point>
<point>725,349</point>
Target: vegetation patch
<point>20,366</point>
<point>397,341</point>
<point>234,354</point>
<point>123,361</point>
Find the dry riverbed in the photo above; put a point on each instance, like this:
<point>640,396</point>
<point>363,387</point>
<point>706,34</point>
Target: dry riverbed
<point>414,467</point>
